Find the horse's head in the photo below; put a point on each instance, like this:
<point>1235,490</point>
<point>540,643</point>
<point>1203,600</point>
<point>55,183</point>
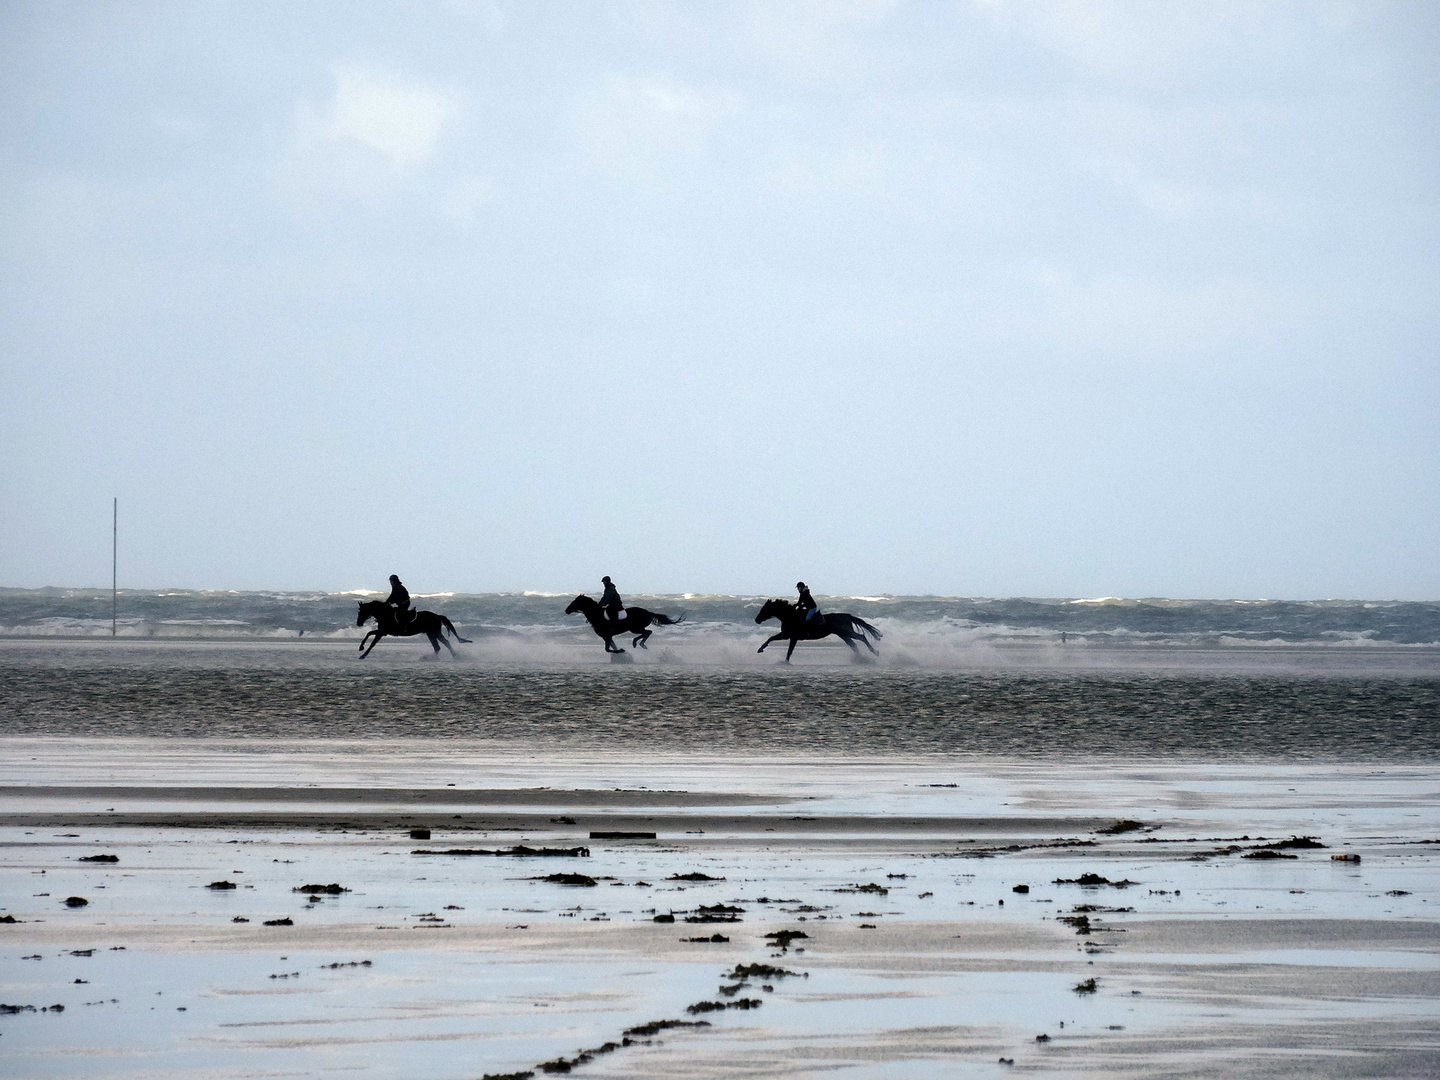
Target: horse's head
<point>367,611</point>
<point>771,609</point>
<point>580,603</point>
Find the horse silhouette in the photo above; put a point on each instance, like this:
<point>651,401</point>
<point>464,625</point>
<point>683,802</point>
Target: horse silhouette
<point>636,620</point>
<point>797,628</point>
<point>428,623</point>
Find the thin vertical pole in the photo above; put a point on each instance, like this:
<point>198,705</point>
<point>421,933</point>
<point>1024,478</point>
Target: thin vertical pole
<point>114,560</point>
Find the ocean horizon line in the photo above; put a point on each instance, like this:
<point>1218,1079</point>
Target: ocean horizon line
<point>868,597</point>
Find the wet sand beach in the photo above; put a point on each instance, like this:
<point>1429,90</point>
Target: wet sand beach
<point>947,917</point>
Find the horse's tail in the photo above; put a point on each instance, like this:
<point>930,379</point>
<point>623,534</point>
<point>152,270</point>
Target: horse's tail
<point>665,620</point>
<point>453,632</point>
<point>855,620</point>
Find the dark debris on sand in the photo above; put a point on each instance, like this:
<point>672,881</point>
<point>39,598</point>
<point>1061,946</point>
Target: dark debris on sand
<point>760,971</point>
<point>519,851</point>
<point>654,1027</point>
<point>1123,826</point>
<point>720,1006</point>
<point>781,938</point>
<point>694,875</point>
<point>716,913</point>
<point>1271,850</point>
<point>1094,881</point>
<point>643,1031</point>
<point>333,889</point>
<point>583,880</point>
<point>1009,849</point>
<point>100,858</point>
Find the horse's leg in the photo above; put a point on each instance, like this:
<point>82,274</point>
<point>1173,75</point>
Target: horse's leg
<point>610,645</point>
<point>640,641</point>
<point>441,638</point>
<point>791,651</point>
<point>364,639</point>
<point>367,652</point>
<point>771,640</point>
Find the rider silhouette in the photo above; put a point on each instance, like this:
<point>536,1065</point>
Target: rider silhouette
<point>399,600</point>
<point>610,601</point>
<point>807,602</point>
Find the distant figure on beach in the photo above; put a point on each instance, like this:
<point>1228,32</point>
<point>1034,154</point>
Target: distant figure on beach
<point>807,602</point>
<point>610,601</point>
<point>399,601</point>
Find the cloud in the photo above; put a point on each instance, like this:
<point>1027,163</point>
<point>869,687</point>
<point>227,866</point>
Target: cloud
<point>374,132</point>
<point>400,122</point>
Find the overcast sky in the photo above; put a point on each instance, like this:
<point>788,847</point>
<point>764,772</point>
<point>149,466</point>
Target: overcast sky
<point>971,297</point>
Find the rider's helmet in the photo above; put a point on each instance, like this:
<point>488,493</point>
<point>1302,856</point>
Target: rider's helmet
<point>799,585</point>
<point>395,579</point>
<point>606,580</point>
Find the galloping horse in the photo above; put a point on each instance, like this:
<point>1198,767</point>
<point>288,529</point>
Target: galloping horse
<point>797,628</point>
<point>635,622</point>
<point>428,623</point>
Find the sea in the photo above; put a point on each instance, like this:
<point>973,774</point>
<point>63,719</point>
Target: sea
<point>1022,678</point>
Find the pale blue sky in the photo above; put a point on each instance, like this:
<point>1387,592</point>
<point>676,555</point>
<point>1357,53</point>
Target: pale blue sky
<point>982,298</point>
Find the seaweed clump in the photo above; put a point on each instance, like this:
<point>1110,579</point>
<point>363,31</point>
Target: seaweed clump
<point>759,971</point>
<point>718,1006</point>
<point>584,880</point>
<point>1123,826</point>
<point>1093,881</point>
